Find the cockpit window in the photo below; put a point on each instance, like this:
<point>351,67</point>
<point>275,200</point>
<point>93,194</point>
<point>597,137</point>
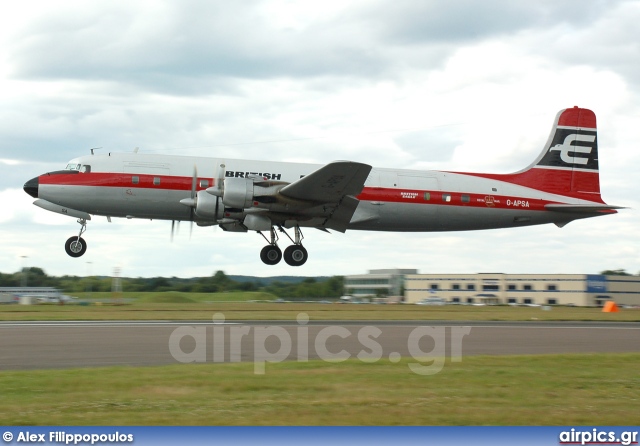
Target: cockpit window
<point>85,168</point>
<point>72,166</point>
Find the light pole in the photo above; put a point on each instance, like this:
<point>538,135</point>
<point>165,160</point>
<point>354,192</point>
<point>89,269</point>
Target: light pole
<point>23,273</point>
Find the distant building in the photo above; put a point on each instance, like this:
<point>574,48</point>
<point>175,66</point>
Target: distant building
<point>524,289</point>
<point>13,294</point>
<point>377,283</point>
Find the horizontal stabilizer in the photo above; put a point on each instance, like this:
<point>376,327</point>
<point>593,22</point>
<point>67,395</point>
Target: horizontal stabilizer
<point>582,208</point>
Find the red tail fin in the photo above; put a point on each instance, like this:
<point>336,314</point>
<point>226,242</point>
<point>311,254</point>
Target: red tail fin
<point>568,164</point>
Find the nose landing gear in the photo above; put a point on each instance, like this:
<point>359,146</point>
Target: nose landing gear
<point>76,246</point>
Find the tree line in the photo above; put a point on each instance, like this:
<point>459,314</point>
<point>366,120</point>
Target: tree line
<point>218,282</point>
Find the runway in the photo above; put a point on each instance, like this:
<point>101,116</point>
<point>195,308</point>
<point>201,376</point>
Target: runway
<point>42,345</point>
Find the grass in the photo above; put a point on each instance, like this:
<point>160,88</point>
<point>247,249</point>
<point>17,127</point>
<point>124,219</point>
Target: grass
<point>599,389</point>
<point>180,297</point>
<point>201,306</point>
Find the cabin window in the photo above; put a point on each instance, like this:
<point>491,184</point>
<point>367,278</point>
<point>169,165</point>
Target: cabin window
<point>466,198</point>
<point>446,198</point>
<point>135,180</point>
<point>427,196</point>
<point>204,183</point>
<point>85,168</point>
<point>156,181</point>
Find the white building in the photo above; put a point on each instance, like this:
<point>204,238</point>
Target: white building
<point>377,283</point>
<point>13,294</point>
<point>540,289</point>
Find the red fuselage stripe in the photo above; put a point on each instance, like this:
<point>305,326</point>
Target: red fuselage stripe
<point>373,194</point>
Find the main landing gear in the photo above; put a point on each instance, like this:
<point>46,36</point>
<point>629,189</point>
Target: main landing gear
<point>76,246</point>
<point>294,255</point>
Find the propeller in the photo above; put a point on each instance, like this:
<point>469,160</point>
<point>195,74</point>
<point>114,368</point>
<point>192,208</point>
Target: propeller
<point>217,189</point>
<point>175,228</point>
<point>194,183</point>
<point>219,185</point>
<point>191,202</point>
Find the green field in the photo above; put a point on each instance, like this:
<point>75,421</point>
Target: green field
<point>261,306</point>
<point>506,390</point>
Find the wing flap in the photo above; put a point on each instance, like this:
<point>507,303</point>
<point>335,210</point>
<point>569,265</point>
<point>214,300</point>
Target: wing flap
<point>341,215</point>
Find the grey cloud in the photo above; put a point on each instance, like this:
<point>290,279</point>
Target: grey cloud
<point>408,21</point>
<point>189,50</point>
<point>612,43</point>
<point>192,48</point>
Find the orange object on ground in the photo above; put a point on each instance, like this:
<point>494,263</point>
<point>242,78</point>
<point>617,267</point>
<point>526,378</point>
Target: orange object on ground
<point>610,307</point>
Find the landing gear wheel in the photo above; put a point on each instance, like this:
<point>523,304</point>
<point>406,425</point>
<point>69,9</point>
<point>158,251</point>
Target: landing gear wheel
<point>75,246</point>
<point>295,255</point>
<point>271,254</point>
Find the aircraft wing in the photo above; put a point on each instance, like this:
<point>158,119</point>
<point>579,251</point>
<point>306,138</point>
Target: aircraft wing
<point>330,192</point>
<point>330,183</point>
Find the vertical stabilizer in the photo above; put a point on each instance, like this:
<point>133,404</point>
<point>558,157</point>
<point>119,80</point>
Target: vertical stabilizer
<point>568,164</point>
<point>571,152</point>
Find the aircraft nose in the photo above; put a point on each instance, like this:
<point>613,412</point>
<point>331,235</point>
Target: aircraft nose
<point>31,187</point>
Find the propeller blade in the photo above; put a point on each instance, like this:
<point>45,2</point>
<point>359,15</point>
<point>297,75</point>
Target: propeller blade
<point>194,184</point>
<point>220,177</point>
<point>219,185</point>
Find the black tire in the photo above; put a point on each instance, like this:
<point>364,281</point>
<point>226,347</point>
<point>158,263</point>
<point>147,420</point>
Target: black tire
<point>75,247</point>
<point>296,255</point>
<point>271,255</point>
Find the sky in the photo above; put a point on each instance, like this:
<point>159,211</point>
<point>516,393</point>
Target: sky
<point>460,85</point>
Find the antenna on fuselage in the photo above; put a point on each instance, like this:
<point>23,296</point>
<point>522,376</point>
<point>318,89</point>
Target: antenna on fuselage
<point>95,148</point>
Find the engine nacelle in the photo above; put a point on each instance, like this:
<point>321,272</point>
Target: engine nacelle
<point>244,193</point>
<point>207,206</point>
<point>238,193</point>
